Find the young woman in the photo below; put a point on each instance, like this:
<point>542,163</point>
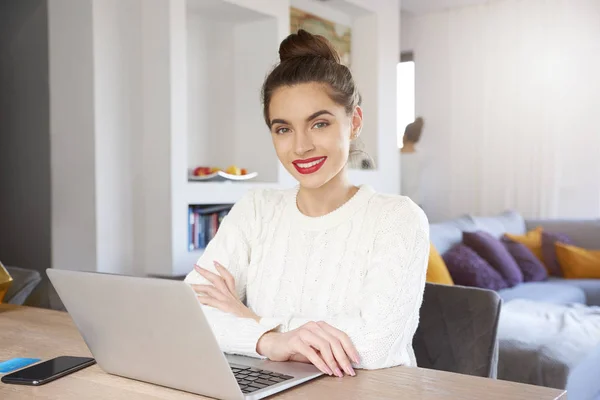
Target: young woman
<point>328,272</point>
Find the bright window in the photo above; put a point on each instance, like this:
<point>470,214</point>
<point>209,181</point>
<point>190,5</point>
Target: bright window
<point>406,96</point>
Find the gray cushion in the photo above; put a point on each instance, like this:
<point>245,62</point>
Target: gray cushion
<point>550,292</point>
<point>445,235</point>
<point>506,222</point>
<point>465,223</point>
<point>457,330</point>
<point>590,287</point>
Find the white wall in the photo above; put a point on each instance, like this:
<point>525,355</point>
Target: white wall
<point>509,93</point>
<point>165,134</point>
<point>406,31</point>
<point>97,140</point>
<point>178,128</point>
<point>253,144</point>
<point>72,140</point>
<point>115,101</point>
<point>221,94</point>
<point>117,122</point>
<point>364,64</point>
<point>210,90</point>
<point>198,88</point>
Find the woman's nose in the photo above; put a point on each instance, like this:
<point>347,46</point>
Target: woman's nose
<point>303,143</point>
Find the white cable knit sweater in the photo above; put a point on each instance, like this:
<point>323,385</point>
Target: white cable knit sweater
<point>360,268</point>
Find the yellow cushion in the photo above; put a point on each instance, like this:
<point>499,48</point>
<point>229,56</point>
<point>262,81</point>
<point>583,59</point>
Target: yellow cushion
<point>532,240</point>
<point>578,263</point>
<point>437,272</point>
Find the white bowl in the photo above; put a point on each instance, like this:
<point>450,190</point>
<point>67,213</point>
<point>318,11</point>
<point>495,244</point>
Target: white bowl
<point>221,176</point>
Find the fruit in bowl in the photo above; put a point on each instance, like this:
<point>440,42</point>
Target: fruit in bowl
<point>231,170</point>
<point>235,170</point>
<point>201,171</point>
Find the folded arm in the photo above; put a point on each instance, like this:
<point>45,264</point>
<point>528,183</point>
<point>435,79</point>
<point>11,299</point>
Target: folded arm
<point>231,248</point>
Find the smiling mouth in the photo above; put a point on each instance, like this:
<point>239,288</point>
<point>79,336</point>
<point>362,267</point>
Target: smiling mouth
<point>309,167</point>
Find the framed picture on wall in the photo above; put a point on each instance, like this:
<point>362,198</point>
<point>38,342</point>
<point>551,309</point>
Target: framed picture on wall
<point>339,35</point>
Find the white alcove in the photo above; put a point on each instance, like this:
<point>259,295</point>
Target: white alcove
<point>229,51</point>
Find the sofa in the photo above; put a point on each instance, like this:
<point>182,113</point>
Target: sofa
<point>583,233</point>
<point>528,354</point>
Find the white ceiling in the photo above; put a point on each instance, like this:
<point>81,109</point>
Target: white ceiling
<point>223,11</point>
<point>429,6</point>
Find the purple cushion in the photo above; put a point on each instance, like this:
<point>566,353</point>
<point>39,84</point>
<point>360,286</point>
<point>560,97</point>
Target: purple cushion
<point>493,251</point>
<point>468,269</point>
<point>532,268</point>
<point>549,251</point>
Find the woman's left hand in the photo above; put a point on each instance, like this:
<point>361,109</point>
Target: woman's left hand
<point>221,294</point>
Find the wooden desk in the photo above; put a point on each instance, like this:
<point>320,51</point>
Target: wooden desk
<point>39,333</point>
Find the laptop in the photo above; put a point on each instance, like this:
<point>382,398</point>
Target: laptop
<point>154,330</point>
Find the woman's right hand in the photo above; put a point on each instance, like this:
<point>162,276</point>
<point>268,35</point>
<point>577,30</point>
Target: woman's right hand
<point>326,347</point>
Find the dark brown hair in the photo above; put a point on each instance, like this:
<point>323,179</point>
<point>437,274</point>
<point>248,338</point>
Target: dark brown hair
<point>306,58</point>
<point>413,131</point>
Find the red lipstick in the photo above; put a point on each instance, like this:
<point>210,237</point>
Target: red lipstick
<point>310,165</point>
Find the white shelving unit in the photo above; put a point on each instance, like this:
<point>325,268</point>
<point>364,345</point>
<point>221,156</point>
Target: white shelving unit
<point>229,50</point>
<point>200,193</point>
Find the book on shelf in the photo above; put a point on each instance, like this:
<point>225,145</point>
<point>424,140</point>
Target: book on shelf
<point>204,221</point>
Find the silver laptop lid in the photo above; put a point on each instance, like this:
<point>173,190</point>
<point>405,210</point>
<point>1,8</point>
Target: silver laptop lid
<point>147,329</point>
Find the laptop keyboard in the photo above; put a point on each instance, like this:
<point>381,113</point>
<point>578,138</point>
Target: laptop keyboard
<point>253,379</point>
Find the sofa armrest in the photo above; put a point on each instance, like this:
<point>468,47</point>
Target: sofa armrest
<point>584,233</point>
<point>24,283</point>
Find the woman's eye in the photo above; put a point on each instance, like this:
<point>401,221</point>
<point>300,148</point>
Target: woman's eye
<point>281,130</point>
<point>320,125</point>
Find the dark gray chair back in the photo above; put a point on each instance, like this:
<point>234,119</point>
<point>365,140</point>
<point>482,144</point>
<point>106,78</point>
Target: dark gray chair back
<point>457,330</point>
<point>24,282</point>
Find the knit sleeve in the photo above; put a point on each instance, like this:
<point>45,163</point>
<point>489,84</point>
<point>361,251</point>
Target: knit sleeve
<point>231,247</point>
<point>383,326</point>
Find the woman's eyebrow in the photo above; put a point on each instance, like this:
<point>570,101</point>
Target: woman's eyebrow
<point>279,121</point>
<point>318,113</point>
<point>309,118</point>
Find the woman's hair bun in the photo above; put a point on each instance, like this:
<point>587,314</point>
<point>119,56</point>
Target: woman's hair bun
<point>305,44</point>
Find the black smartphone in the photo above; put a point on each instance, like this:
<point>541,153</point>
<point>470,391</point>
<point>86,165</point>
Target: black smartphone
<point>48,371</point>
